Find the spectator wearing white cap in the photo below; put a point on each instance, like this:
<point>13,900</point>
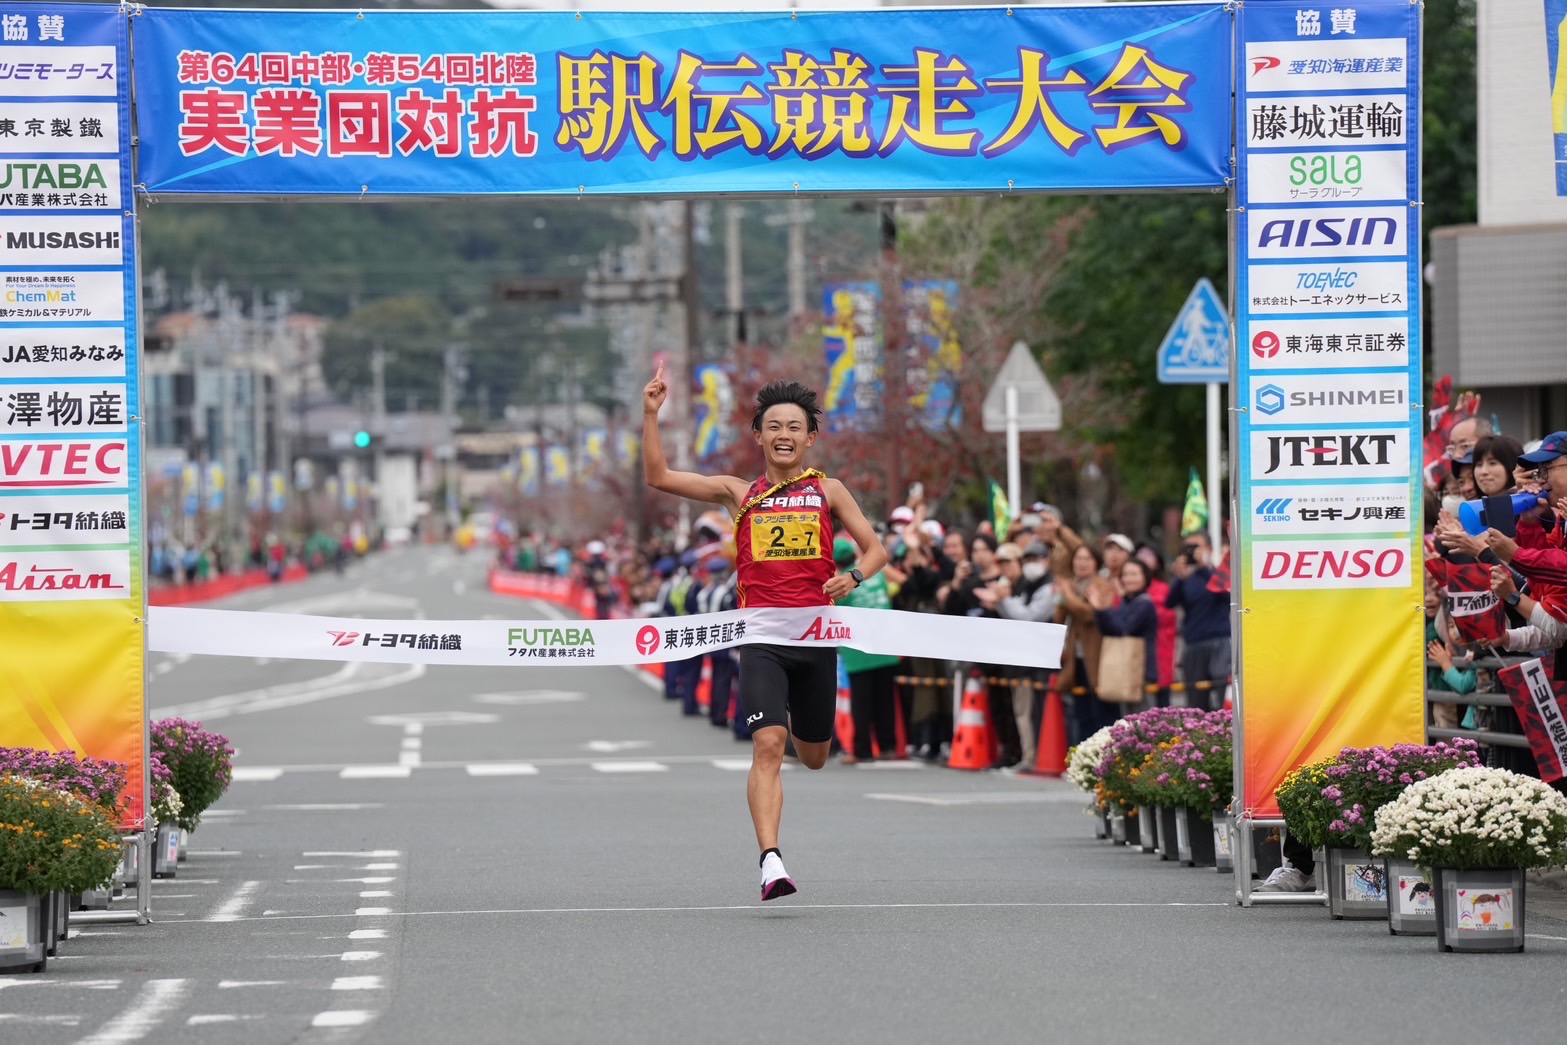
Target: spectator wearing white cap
<point>1116,549</point>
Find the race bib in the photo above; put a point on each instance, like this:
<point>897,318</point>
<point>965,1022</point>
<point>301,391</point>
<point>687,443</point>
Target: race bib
<point>778,536</point>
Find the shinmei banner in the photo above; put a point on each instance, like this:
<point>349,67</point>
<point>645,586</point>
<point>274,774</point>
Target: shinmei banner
<point>1327,431</point>
<point>532,643</point>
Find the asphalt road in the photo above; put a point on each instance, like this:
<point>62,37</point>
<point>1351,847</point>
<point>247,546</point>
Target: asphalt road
<point>555,855</point>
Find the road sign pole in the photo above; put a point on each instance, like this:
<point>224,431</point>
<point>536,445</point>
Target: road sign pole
<point>1215,502</point>
<point>1014,466</point>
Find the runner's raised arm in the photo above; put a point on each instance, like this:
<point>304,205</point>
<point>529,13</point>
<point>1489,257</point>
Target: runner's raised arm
<point>725,490</point>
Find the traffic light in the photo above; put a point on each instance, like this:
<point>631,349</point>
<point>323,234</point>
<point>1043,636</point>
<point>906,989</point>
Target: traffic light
<point>362,439</point>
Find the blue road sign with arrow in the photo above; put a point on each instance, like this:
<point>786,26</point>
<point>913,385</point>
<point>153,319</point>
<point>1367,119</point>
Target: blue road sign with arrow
<point>1196,351</point>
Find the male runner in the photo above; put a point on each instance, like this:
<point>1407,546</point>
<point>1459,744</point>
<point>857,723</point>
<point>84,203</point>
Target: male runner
<point>783,556</point>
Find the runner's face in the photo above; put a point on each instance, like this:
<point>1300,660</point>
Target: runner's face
<point>785,435</point>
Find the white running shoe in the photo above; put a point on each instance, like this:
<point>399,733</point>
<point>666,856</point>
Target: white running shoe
<point>775,880</point>
<point>1285,880</point>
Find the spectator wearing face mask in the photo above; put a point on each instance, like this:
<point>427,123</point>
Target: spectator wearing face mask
<point>1133,614</point>
<point>1026,591</point>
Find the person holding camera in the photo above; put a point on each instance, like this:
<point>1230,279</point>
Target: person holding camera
<point>1205,629</point>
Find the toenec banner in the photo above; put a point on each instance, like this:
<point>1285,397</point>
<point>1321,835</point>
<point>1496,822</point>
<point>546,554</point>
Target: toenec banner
<point>261,103</point>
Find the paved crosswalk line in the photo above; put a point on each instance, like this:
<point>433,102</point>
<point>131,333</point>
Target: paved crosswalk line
<point>629,767</point>
<point>503,769</point>
<point>374,772</point>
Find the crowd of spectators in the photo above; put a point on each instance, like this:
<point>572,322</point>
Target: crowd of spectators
<point>1041,570</point>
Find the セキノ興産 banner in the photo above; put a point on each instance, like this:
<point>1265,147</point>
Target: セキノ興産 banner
<point>995,99</point>
<point>1328,385</point>
<point>71,594</point>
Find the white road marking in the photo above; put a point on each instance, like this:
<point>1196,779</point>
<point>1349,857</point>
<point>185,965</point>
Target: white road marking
<point>733,765</point>
<point>408,759</point>
<point>412,729</point>
<point>228,910</point>
<point>97,985</point>
<point>367,934</point>
<point>615,747</point>
<point>370,912</point>
<point>412,743</point>
<point>502,769</point>
<point>222,812</point>
<point>373,772</point>
<point>153,1002</point>
<point>375,894</point>
<point>55,1021</point>
<point>896,764</point>
<point>360,956</point>
<point>164,667</point>
<point>459,587</point>
<point>327,806</point>
<point>339,683</point>
<point>216,852</point>
<point>224,985</point>
<point>254,773</point>
<point>629,767</point>
<point>357,983</point>
<point>358,852</point>
<point>378,867</point>
<point>535,696</point>
<point>341,1018</point>
<point>314,867</point>
<point>982,798</point>
<point>216,1017</point>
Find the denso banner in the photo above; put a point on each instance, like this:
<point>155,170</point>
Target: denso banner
<point>1328,437</point>
<point>373,102</point>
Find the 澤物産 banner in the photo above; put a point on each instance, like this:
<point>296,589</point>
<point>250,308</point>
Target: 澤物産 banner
<point>71,598</point>
<point>899,101</point>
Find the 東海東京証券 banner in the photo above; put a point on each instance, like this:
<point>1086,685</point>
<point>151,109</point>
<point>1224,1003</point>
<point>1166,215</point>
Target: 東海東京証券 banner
<point>900,101</point>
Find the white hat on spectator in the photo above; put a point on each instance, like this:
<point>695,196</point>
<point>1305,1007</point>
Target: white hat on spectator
<point>902,514</point>
<point>1120,540</point>
<point>933,529</point>
<point>596,548</point>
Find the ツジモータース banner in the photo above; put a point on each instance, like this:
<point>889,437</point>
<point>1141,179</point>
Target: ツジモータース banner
<point>896,101</point>
<point>563,643</point>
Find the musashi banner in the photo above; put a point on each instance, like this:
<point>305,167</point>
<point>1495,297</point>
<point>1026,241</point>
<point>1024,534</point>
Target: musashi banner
<point>447,103</point>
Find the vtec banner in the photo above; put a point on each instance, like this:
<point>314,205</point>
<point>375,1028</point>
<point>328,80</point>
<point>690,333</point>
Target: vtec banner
<point>898,101</point>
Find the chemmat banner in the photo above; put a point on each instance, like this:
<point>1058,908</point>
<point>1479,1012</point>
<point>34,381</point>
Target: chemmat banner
<point>71,589</point>
<point>923,101</point>
<point>656,640</point>
<point>1328,379</point>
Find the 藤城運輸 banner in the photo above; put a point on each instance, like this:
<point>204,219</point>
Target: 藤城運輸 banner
<point>899,101</point>
<point>71,599</point>
<point>1556,52</point>
<point>1328,384</point>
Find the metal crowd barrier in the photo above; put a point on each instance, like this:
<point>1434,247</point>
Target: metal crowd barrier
<point>1490,698</point>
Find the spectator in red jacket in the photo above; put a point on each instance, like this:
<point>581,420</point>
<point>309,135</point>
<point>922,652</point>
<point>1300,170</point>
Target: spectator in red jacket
<point>1158,589</point>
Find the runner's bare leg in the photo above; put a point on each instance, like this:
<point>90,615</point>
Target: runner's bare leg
<point>764,786</point>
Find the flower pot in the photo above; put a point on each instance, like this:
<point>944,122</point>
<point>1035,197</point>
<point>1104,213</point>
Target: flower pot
<point>62,915</point>
<point>1101,822</point>
<point>1147,830</point>
<point>1357,885</point>
<point>23,933</point>
<point>1479,909</point>
<point>1194,838</point>
<point>165,851</point>
<point>127,877</point>
<point>1411,900</point>
<point>1168,817</point>
<point>94,899</point>
<point>184,845</point>
<point>1224,844</point>
<point>1118,831</point>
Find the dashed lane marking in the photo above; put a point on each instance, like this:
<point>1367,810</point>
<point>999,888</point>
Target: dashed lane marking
<point>357,983</point>
<point>374,772</point>
<point>155,1000</point>
<point>342,1018</point>
<point>503,769</point>
<point>629,767</point>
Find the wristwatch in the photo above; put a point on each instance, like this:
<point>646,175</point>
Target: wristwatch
<point>1512,600</point>
<point>859,578</point>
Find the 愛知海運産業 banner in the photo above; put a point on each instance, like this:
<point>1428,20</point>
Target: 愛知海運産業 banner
<point>71,598</point>
<point>1328,381</point>
<point>898,101</point>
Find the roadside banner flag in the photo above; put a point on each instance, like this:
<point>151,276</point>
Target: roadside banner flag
<point>1000,510</point>
<point>1194,517</point>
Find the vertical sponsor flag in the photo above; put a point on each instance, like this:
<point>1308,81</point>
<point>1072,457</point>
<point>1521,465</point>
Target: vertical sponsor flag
<point>852,342</point>
<point>627,446</point>
<point>714,403</point>
<point>253,491</point>
<point>528,471</point>
<point>1556,51</point>
<point>277,492</point>
<point>1000,510</point>
<point>1194,517</point>
<point>935,357</point>
<point>190,490</point>
<point>215,482</point>
<point>1331,259</point>
<point>591,451</point>
<point>557,465</point>
<point>71,585</point>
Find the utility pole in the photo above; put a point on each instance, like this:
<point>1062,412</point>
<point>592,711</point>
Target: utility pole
<point>797,219</point>
<point>447,454</point>
<point>734,274</point>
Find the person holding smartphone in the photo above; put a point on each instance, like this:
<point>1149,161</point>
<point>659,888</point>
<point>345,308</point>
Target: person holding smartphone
<point>1205,626</point>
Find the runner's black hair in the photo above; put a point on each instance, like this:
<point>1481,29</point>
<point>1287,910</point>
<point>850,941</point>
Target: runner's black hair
<point>776,392</point>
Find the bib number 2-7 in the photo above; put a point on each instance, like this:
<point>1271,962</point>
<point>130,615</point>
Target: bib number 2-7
<point>777,536</point>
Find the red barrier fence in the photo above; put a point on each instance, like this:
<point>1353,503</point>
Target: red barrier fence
<point>560,591</point>
<point>218,587</point>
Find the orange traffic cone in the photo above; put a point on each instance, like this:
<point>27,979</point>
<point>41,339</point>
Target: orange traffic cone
<point>704,686</point>
<point>971,735</point>
<point>844,722</point>
<point>1051,760</point>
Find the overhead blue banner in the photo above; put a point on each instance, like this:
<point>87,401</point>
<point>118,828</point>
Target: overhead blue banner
<point>257,103</point>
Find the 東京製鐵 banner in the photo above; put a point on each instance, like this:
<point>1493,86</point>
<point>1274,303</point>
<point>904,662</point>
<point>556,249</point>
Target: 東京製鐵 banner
<point>921,101</point>
<point>71,601</point>
<point>1328,380</point>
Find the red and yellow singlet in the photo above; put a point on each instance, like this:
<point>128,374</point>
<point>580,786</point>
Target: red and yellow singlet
<point>783,545</point>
